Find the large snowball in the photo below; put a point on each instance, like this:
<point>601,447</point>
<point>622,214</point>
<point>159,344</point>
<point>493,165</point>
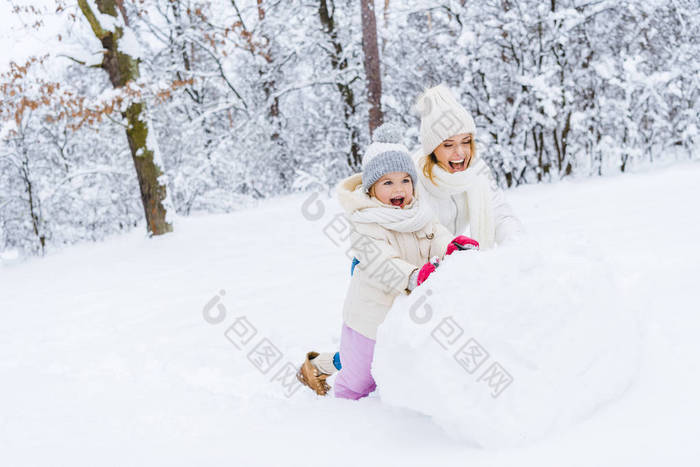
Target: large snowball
<point>505,346</point>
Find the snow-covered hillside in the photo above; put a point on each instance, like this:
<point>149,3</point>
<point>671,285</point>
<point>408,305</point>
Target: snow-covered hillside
<point>143,351</point>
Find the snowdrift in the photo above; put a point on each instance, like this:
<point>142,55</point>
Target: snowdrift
<point>502,347</point>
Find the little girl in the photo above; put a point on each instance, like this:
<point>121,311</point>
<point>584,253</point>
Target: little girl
<point>398,243</point>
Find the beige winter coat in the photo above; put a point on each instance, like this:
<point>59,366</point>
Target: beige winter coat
<point>387,259</point>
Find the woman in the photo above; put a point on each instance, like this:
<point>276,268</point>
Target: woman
<point>456,183</point>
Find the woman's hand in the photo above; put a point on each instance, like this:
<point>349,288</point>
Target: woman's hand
<point>462,243</point>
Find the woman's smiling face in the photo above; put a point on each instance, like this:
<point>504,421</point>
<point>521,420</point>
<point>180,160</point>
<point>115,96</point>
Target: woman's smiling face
<point>394,188</point>
<point>455,153</point>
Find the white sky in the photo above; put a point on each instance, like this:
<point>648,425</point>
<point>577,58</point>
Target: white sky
<point>18,42</point>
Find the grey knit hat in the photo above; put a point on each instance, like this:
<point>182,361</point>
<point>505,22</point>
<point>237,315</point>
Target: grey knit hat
<point>385,155</point>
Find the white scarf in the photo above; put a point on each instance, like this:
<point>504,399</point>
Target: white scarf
<point>475,182</point>
<point>412,218</point>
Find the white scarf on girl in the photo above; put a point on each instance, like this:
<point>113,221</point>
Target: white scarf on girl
<point>475,182</point>
<point>412,218</point>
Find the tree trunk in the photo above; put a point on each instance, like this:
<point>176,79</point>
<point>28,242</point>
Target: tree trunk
<point>269,86</point>
<point>340,63</point>
<point>371,63</point>
<point>121,69</point>
<point>560,145</point>
<point>34,208</point>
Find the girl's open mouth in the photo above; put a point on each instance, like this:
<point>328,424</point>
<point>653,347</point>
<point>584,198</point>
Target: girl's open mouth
<point>397,201</point>
<point>457,166</point>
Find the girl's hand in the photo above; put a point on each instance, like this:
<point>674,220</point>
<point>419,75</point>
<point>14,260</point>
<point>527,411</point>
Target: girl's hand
<point>462,243</point>
<point>425,271</point>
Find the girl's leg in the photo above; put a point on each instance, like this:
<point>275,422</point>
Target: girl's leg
<point>354,380</point>
<point>327,362</point>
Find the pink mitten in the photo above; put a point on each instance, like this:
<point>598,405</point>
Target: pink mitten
<point>462,243</point>
<point>425,271</point>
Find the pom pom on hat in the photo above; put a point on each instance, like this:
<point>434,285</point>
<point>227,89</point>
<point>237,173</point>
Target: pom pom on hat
<point>422,106</point>
<point>388,133</point>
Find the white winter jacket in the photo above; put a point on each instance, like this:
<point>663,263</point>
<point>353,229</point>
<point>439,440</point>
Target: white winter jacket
<point>387,259</point>
<point>453,212</point>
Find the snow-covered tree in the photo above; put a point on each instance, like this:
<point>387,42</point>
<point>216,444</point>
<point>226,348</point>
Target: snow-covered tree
<point>249,99</point>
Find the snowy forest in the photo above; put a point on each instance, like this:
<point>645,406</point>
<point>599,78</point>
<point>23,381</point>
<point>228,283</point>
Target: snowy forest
<point>357,233</point>
<point>169,107</point>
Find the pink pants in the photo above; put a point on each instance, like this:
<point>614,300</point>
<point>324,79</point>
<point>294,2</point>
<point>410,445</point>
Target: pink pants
<point>354,380</point>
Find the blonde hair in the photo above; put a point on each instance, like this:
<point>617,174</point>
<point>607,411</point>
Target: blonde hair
<point>430,161</point>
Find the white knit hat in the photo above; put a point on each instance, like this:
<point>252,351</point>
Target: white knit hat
<point>441,116</point>
<point>386,154</point>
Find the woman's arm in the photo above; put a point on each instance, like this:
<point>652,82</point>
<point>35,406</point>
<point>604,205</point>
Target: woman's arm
<point>443,237</point>
<point>508,226</point>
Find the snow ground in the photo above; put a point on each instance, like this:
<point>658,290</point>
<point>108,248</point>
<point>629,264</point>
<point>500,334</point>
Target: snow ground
<point>106,358</point>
